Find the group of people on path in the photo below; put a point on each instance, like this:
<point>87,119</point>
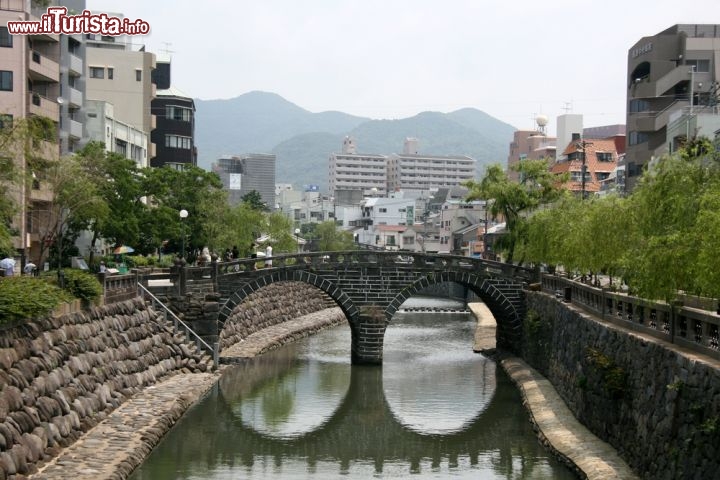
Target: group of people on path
<point>7,267</point>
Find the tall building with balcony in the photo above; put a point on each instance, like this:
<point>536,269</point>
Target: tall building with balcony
<point>350,170</point>
<point>174,111</point>
<point>119,72</point>
<point>72,86</point>
<point>411,171</point>
<point>29,87</point>
<point>676,70</point>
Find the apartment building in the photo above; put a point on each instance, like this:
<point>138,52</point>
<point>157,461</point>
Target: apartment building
<point>412,171</point>
<point>676,70</point>
<point>174,111</point>
<point>119,72</point>
<point>119,137</point>
<point>29,87</point>
<point>350,170</point>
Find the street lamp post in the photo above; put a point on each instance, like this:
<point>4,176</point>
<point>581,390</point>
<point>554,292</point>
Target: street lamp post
<point>297,239</point>
<point>183,216</point>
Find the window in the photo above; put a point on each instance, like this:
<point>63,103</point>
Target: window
<point>111,72</point>
<point>6,40</point>
<point>602,176</point>
<point>702,66</point>
<point>138,75</point>
<point>181,114</point>
<point>6,80</point>
<point>121,147</point>
<point>577,177</point>
<point>382,210</point>
<point>176,141</point>
<point>6,120</point>
<point>639,105</point>
<point>636,138</point>
<point>97,72</point>
<point>604,156</point>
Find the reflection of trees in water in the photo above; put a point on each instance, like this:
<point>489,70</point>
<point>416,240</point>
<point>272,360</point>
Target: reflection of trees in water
<point>361,429</point>
<point>277,402</point>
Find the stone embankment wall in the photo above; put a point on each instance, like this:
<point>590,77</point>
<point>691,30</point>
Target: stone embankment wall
<point>657,405</point>
<point>273,304</point>
<point>59,377</point>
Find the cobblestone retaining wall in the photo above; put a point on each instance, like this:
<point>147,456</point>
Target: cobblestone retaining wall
<point>659,407</point>
<point>273,304</point>
<point>59,377</point>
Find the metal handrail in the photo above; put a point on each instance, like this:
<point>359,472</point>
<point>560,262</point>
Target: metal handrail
<point>214,350</point>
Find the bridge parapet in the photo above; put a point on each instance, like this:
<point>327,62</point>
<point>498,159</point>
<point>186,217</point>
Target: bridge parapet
<point>689,327</point>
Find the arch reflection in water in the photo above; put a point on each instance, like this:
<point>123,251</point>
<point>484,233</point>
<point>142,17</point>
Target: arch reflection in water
<point>373,424</point>
<point>435,388</point>
<point>296,403</point>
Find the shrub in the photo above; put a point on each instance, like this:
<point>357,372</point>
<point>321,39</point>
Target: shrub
<point>82,285</point>
<point>28,297</point>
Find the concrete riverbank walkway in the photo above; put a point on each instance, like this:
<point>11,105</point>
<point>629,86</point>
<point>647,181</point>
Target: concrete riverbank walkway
<point>560,431</point>
<point>555,424</point>
<point>121,442</point>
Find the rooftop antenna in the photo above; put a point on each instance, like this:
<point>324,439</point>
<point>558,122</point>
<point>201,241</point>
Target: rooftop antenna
<point>166,48</point>
<point>567,107</point>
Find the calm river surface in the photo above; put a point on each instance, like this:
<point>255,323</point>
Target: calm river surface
<point>434,409</point>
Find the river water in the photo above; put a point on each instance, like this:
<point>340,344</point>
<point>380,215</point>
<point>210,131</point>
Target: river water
<point>433,410</point>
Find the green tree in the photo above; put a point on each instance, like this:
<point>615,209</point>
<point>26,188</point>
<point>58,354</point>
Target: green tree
<point>279,228</point>
<point>119,184</point>
<point>74,201</point>
<point>513,201</point>
<point>169,191</point>
<point>665,210</point>
<point>254,200</point>
<point>330,238</point>
<point>21,147</point>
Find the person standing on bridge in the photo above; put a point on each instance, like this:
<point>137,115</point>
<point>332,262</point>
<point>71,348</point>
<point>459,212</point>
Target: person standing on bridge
<point>268,256</point>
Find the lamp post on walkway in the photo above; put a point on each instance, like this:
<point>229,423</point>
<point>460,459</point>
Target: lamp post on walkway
<point>183,216</point>
<point>297,238</point>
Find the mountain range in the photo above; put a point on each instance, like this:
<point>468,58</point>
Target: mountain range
<point>261,122</point>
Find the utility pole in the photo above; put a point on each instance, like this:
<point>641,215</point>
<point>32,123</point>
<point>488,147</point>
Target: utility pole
<point>583,145</point>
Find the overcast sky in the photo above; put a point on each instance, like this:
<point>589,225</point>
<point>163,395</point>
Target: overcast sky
<point>396,58</point>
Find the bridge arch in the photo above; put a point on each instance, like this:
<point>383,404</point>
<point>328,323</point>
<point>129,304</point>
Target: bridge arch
<point>341,298</point>
<point>503,298</point>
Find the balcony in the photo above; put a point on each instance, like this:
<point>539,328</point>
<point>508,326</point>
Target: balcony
<point>647,89</point>
<point>76,65</point>
<point>41,68</point>
<point>647,122</point>
<point>75,97</point>
<point>44,107</point>
<point>76,129</point>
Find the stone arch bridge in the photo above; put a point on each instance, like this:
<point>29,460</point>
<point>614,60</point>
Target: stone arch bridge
<point>370,286</point>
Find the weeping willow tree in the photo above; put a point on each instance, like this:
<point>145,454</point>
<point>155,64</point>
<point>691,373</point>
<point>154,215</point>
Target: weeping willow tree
<point>663,239</point>
<point>672,242</point>
<point>513,201</point>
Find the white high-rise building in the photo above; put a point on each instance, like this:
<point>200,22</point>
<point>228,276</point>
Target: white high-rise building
<point>411,171</point>
<point>354,171</point>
